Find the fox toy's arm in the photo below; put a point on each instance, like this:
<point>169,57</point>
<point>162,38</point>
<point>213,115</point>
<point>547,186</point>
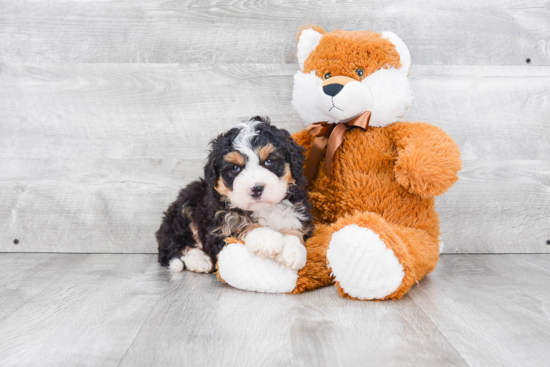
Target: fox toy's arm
<point>428,159</point>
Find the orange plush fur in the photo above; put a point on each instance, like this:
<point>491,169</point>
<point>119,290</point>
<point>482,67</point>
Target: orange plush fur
<point>385,179</point>
<point>379,184</point>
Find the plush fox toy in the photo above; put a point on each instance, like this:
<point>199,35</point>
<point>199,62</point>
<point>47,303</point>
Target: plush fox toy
<point>373,179</point>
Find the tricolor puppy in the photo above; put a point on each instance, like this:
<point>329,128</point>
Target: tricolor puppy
<point>253,189</point>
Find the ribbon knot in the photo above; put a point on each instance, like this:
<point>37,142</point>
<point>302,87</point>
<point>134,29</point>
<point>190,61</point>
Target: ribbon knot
<point>329,136</point>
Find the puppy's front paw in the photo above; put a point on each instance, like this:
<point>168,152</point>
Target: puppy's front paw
<point>197,261</point>
<point>264,242</point>
<point>294,254</point>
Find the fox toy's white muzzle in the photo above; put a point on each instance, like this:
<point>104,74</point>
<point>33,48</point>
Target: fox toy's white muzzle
<point>342,98</point>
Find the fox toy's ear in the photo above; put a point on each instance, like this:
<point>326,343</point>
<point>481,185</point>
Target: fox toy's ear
<point>402,50</point>
<point>308,39</point>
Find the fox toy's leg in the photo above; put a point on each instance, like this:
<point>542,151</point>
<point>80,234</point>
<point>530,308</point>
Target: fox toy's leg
<point>367,257</point>
<point>241,269</point>
<point>316,273</point>
<point>372,259</point>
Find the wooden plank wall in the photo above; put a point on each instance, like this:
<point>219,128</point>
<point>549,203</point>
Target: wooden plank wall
<point>106,109</point>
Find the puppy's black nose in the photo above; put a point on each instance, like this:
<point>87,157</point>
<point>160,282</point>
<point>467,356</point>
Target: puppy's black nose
<point>332,89</point>
<point>257,191</point>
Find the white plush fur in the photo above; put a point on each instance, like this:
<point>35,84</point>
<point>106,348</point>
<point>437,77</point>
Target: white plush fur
<point>303,97</point>
<point>243,270</point>
<point>196,260</point>
<point>362,264</point>
<point>309,39</point>
<point>264,242</point>
<point>353,100</point>
<point>391,96</point>
<point>402,50</point>
<point>386,93</point>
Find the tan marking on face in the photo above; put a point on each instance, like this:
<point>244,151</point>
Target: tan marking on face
<point>236,158</point>
<point>287,176</point>
<point>342,80</point>
<point>293,232</point>
<point>221,188</point>
<point>264,152</point>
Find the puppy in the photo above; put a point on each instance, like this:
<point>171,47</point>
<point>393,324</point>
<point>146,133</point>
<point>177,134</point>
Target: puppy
<point>253,189</point>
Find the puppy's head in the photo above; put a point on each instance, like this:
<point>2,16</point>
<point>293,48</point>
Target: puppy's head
<point>252,165</point>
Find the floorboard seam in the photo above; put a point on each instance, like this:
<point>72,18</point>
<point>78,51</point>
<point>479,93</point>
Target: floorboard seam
<point>440,332</point>
<point>141,327</point>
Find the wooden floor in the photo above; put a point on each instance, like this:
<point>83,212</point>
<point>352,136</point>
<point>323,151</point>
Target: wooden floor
<point>124,310</point>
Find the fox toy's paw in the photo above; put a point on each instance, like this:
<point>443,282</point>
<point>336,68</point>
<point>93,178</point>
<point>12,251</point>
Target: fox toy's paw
<point>363,266</point>
<point>241,269</point>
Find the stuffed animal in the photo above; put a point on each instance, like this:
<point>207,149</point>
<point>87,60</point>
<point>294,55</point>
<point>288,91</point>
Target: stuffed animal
<point>373,179</point>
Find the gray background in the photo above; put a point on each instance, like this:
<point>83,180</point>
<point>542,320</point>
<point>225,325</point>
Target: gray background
<point>106,109</point>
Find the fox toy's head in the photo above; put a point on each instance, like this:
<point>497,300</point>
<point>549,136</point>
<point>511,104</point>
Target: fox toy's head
<point>344,74</point>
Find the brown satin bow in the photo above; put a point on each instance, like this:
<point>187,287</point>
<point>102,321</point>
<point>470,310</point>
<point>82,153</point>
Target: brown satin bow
<point>329,136</point>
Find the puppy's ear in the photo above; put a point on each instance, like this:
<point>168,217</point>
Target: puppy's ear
<point>295,154</point>
<point>210,170</point>
<point>297,160</point>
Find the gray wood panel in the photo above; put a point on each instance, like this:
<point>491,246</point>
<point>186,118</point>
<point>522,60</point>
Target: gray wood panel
<point>125,310</point>
<point>24,276</point>
<point>497,207</point>
<point>172,111</point>
<point>206,323</point>
<point>116,205</point>
<point>88,317</point>
<point>492,32</point>
<point>485,314</point>
<point>92,154</point>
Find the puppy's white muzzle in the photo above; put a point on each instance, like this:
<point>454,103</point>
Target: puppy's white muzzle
<point>246,194</point>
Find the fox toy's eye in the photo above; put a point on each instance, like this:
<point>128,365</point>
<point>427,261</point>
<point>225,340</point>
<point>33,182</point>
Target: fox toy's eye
<point>268,162</point>
<point>235,168</point>
<point>359,72</point>
<point>327,75</point>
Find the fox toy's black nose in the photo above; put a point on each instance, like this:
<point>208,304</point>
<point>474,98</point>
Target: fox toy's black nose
<point>256,191</point>
<point>332,89</point>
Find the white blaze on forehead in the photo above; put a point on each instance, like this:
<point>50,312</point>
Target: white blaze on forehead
<point>243,141</point>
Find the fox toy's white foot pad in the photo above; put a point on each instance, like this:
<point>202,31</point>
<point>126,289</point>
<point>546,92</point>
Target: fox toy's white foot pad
<point>362,263</point>
<point>241,269</point>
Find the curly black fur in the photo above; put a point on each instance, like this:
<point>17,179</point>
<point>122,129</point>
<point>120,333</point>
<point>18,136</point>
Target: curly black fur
<point>200,206</point>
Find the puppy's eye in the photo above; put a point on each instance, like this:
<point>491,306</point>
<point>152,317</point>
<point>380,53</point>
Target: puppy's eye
<point>235,168</point>
<point>327,75</point>
<point>359,72</point>
<point>268,162</point>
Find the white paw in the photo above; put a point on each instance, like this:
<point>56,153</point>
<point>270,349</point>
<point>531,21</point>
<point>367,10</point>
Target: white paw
<point>294,254</point>
<point>196,260</point>
<point>264,242</point>
<point>176,265</point>
<point>243,270</point>
<point>362,263</point>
